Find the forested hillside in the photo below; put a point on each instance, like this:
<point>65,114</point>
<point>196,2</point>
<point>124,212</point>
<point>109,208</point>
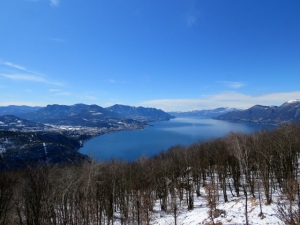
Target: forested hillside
<point>255,166</point>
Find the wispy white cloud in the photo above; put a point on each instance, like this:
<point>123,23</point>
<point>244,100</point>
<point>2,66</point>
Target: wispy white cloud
<point>224,99</point>
<point>53,90</point>
<point>29,77</point>
<point>191,20</point>
<point>17,67</point>
<point>58,92</point>
<point>90,97</point>
<point>231,84</point>
<point>14,66</point>
<point>24,77</point>
<point>63,93</point>
<point>192,13</point>
<point>54,2</point>
<point>57,39</point>
<point>112,81</point>
<point>32,0</point>
<point>17,72</point>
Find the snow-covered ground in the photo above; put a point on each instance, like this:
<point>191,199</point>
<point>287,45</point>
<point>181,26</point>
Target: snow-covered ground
<point>234,213</point>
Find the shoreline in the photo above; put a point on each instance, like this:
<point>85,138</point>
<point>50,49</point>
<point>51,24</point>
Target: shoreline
<point>110,132</point>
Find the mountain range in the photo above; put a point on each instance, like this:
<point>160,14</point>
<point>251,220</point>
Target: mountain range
<point>287,112</point>
<point>85,115</point>
<point>206,112</point>
<point>74,115</point>
<point>17,110</point>
<point>97,116</point>
<point>140,113</point>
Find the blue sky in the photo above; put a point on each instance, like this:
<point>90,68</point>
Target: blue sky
<point>171,54</point>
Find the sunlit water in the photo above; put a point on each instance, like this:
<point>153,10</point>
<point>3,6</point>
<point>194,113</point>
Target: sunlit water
<point>129,145</point>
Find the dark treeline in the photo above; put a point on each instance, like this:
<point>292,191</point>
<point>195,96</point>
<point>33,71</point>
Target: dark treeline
<point>255,165</point>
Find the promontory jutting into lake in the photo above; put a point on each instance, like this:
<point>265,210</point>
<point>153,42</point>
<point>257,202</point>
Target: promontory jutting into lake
<point>132,144</point>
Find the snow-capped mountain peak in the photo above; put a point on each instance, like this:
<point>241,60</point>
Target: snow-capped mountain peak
<point>293,101</point>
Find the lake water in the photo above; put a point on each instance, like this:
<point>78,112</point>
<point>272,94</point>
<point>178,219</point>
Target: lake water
<point>129,145</point>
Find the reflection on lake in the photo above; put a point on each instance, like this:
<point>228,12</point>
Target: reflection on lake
<point>129,145</point>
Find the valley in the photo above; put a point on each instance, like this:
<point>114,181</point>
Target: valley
<point>20,146</point>
<point>81,123</point>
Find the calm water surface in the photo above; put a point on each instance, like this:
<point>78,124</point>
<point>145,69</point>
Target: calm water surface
<point>129,145</point>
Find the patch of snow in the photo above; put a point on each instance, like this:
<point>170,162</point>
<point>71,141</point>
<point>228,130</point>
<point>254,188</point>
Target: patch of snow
<point>2,149</point>
<point>234,213</point>
<point>293,101</point>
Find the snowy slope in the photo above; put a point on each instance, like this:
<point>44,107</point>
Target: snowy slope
<point>234,213</point>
